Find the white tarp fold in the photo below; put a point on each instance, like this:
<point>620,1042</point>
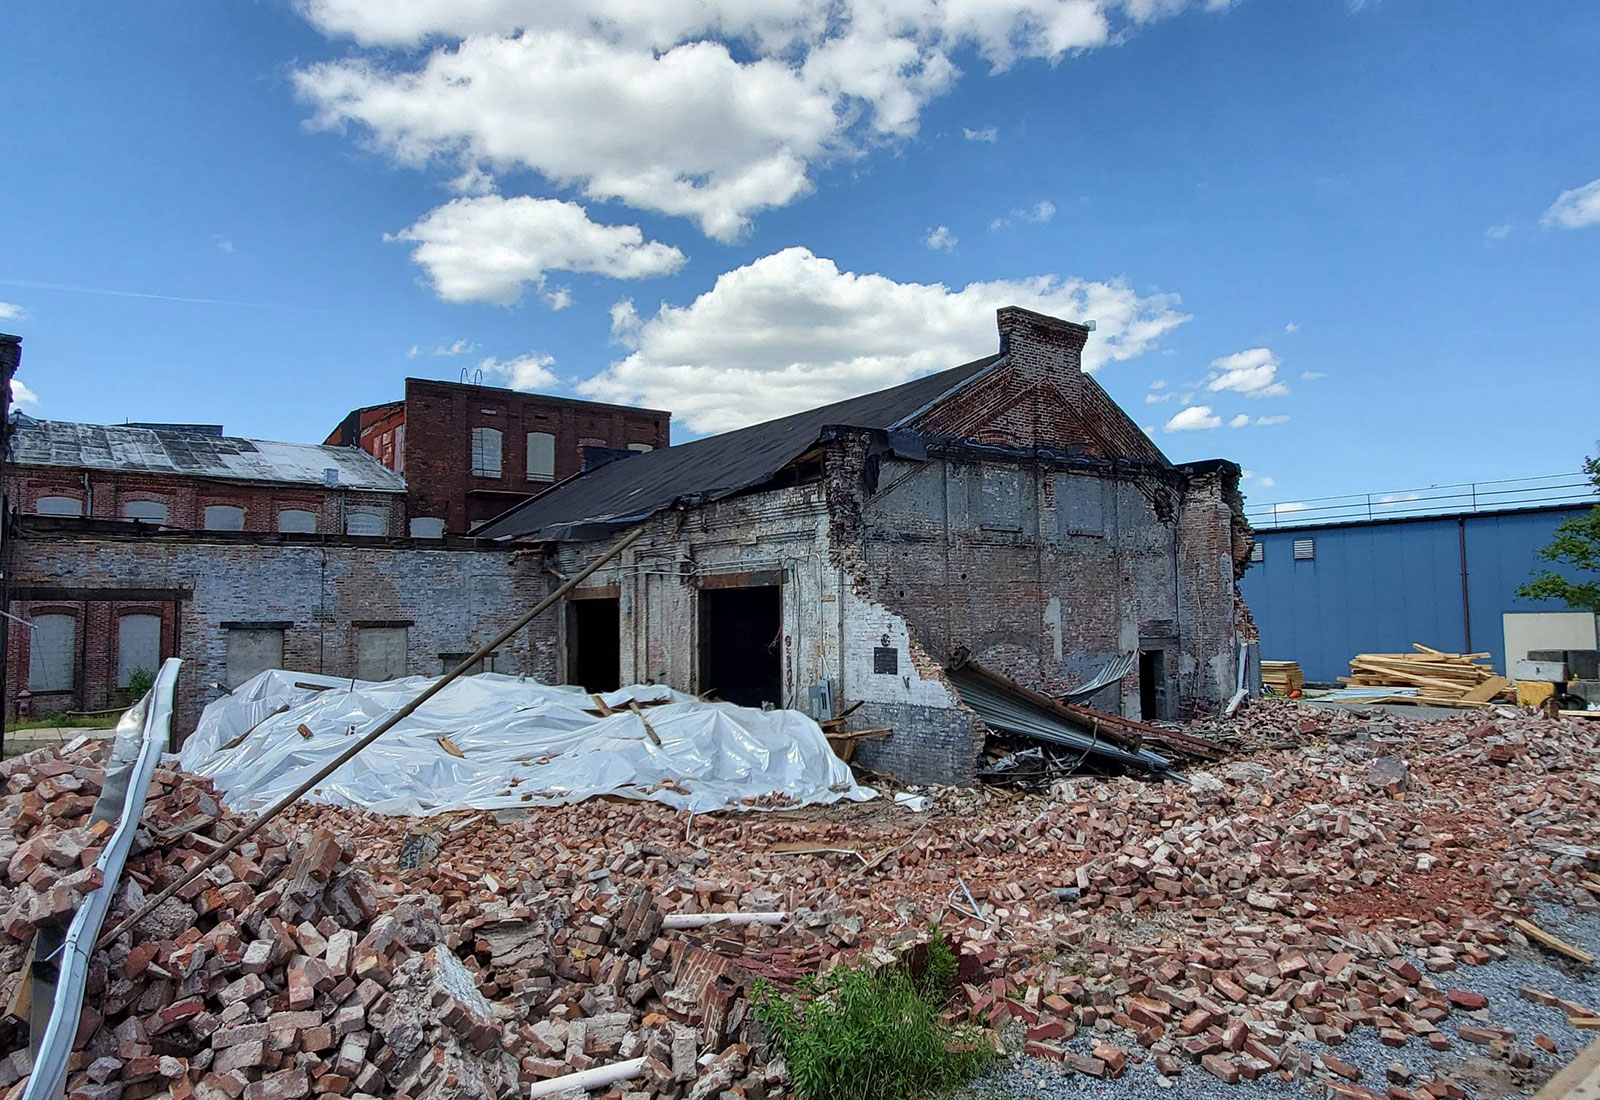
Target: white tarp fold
<point>522,743</point>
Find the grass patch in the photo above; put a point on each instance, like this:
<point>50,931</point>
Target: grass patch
<point>855,1034</point>
<point>66,721</point>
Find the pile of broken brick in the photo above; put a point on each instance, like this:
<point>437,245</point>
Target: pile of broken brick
<point>288,971</point>
<point>1240,925</point>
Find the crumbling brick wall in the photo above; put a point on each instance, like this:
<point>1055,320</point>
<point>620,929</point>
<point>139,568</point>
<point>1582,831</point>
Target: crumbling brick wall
<point>450,598</point>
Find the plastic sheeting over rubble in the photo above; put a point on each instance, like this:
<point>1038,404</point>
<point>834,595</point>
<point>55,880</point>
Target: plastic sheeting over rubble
<point>522,743</point>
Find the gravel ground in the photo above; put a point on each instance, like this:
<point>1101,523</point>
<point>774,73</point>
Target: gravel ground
<point>1020,1078</point>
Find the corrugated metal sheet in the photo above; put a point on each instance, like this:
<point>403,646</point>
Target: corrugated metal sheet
<point>69,445</point>
<point>593,504</point>
<point>1378,587</point>
<point>1011,714</point>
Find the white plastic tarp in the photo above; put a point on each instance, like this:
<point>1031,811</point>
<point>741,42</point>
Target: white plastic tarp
<point>522,743</point>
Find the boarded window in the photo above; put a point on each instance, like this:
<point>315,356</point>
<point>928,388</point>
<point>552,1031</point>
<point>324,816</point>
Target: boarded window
<point>52,653</point>
<point>59,506</point>
<point>366,521</point>
<point>252,650</point>
<point>427,527</point>
<point>448,661</point>
<point>380,652</point>
<point>224,517</point>
<point>1080,505</point>
<point>1000,504</point>
<point>151,511</point>
<point>138,645</point>
<point>297,521</point>
<point>486,456</point>
<point>541,456</point>
<point>640,447</point>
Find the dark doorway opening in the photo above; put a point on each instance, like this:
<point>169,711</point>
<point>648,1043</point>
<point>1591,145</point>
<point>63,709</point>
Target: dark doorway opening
<point>594,644</point>
<point>1152,684</point>
<point>741,656</point>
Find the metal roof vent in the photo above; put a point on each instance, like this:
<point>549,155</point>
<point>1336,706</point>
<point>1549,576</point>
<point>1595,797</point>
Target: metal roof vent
<point>330,476</point>
<point>1305,549</point>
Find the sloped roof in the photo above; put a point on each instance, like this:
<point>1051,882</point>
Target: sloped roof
<point>626,491</point>
<point>69,445</point>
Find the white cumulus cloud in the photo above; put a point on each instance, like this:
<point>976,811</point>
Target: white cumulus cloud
<point>10,311</point>
<point>790,331</point>
<point>1252,372</point>
<point>485,249</point>
<point>988,133</point>
<point>1195,418</point>
<point>525,372</point>
<point>940,239</point>
<point>1266,482</point>
<point>712,110</point>
<point>21,394</point>
<point>1574,209</point>
<point>1239,421</point>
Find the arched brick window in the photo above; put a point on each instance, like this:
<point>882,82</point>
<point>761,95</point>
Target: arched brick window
<point>52,652</point>
<point>138,645</point>
<point>151,511</point>
<point>58,506</point>
<point>224,517</point>
<point>297,521</point>
<point>487,459</point>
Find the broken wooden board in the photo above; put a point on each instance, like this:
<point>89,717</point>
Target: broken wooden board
<point>1487,690</point>
<point>648,728</point>
<point>1554,943</point>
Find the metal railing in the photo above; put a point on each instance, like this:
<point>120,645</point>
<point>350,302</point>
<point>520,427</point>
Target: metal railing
<point>1469,496</point>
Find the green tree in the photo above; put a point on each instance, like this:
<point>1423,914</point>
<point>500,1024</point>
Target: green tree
<point>1577,546</point>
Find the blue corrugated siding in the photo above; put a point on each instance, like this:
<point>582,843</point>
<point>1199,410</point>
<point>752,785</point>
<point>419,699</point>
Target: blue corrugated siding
<point>1379,587</point>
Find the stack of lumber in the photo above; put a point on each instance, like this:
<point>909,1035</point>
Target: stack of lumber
<point>1440,679</point>
<point>1282,677</point>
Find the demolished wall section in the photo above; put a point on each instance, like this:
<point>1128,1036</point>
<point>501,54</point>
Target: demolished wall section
<point>1208,548</point>
<point>1043,570</point>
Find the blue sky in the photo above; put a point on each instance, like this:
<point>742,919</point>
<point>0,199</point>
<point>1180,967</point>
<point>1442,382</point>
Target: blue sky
<point>1372,231</point>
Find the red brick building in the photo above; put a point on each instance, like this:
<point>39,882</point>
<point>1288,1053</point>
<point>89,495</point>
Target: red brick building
<point>468,453</point>
<point>70,647</point>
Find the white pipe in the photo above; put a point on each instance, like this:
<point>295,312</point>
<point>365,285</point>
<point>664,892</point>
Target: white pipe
<point>586,1079</point>
<point>701,920</point>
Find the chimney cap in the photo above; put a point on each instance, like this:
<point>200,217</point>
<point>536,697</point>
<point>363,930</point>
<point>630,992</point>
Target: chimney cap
<point>1008,317</point>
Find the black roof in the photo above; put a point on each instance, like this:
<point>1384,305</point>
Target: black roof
<point>592,504</point>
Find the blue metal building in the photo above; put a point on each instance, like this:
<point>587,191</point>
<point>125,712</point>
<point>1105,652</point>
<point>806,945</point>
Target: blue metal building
<point>1323,592</point>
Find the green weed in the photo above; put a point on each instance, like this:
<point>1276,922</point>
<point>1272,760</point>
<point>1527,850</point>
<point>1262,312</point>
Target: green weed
<point>857,1034</point>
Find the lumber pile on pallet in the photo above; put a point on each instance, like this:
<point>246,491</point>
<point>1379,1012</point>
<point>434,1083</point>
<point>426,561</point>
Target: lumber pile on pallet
<point>1282,677</point>
<point>1440,679</point>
